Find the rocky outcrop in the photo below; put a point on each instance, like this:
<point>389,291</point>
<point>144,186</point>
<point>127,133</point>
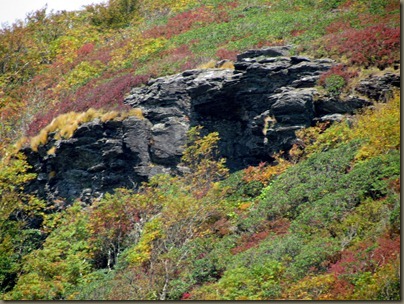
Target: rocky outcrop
<point>379,88</point>
<point>256,108</point>
<point>97,158</point>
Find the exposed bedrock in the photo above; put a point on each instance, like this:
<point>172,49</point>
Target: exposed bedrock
<point>256,108</point>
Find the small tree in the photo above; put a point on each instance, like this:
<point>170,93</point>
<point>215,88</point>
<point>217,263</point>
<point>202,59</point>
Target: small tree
<point>115,14</point>
<point>201,157</point>
<point>187,204</point>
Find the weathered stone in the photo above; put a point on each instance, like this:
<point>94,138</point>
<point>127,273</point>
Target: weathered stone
<point>293,107</point>
<point>330,105</point>
<point>100,161</point>
<point>273,51</point>
<point>331,118</point>
<point>379,88</point>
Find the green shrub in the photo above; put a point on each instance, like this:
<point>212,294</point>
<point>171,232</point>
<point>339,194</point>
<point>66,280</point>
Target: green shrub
<point>306,182</point>
<point>257,282</point>
<point>334,84</point>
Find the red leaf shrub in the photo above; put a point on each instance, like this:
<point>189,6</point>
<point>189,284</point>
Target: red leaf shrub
<point>341,288</point>
<point>85,49</point>
<point>377,45</point>
<point>340,70</point>
<point>231,5</point>
<point>249,241</point>
<point>226,54</point>
<point>387,250</point>
<point>296,33</point>
<point>185,296</point>
<point>108,95</point>
<point>190,64</point>
<point>280,226</point>
<point>181,23</point>
<point>185,21</point>
<point>353,260</point>
<point>365,258</point>
<point>347,263</point>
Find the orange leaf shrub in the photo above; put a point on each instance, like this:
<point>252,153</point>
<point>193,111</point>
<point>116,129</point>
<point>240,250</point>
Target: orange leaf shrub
<point>263,173</point>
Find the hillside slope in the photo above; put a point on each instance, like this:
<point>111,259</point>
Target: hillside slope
<point>311,206</point>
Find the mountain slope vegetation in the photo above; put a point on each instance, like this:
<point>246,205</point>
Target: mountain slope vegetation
<point>322,223</point>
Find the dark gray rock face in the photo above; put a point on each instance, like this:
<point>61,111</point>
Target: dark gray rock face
<point>379,88</point>
<point>256,108</point>
<point>97,158</point>
<point>334,105</point>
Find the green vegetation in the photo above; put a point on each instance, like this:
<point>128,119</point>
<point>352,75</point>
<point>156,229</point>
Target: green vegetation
<point>320,223</point>
<point>327,227</point>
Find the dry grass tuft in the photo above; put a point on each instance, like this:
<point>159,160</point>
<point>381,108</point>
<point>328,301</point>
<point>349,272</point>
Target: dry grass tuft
<point>212,64</point>
<point>38,140</point>
<point>208,65</point>
<point>109,116</point>
<point>52,151</point>
<point>65,125</point>
<point>136,112</point>
<point>227,65</point>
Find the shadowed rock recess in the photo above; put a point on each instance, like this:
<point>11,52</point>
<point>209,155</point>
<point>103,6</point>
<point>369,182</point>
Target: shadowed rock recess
<point>256,108</point>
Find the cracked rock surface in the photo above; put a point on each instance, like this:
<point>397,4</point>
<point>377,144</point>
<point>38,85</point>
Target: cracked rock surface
<point>256,108</point>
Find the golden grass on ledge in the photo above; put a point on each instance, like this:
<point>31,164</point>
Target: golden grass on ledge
<point>109,116</point>
<point>65,125</point>
<point>208,65</point>
<point>227,65</point>
<point>212,64</point>
<point>51,151</point>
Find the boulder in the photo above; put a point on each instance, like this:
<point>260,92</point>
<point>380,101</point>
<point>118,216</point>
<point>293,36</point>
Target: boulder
<point>379,88</point>
<point>327,105</point>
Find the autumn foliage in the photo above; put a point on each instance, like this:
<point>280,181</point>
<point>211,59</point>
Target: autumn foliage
<point>376,45</point>
<point>320,222</point>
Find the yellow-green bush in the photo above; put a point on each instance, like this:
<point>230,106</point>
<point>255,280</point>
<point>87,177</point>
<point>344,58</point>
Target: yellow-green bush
<point>138,47</point>
<point>83,72</point>
<point>380,128</point>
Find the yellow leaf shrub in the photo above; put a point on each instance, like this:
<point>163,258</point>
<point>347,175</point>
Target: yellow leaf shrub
<point>136,48</point>
<point>83,72</point>
<point>142,251</point>
<point>380,128</point>
<point>161,6</point>
<point>311,288</point>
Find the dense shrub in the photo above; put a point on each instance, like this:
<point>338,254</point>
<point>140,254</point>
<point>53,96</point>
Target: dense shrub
<point>380,129</point>
<point>377,45</point>
<point>114,14</point>
<point>181,23</point>
<point>108,95</point>
<point>336,79</point>
<point>66,251</point>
